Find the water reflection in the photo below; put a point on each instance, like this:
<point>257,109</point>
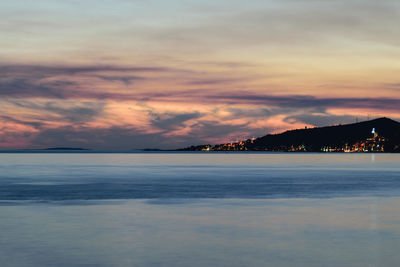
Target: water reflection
<point>199,210</point>
<point>231,232</point>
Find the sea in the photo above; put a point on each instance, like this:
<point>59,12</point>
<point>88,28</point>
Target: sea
<point>199,209</point>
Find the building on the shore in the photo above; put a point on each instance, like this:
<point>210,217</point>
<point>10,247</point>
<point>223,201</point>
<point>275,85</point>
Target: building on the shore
<point>375,143</point>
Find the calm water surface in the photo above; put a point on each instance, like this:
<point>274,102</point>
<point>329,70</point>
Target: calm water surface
<point>199,209</point>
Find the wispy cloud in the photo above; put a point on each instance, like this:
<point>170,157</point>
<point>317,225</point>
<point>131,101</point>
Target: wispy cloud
<point>129,138</point>
<point>63,82</point>
<point>168,121</point>
<point>60,89</point>
<point>156,73</point>
<point>42,113</point>
<point>288,101</point>
<point>40,71</point>
<point>127,80</point>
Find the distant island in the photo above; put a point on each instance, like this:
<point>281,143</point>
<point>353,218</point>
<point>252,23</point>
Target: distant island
<point>66,148</point>
<point>378,135</point>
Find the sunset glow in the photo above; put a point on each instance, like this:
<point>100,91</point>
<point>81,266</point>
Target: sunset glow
<point>167,74</point>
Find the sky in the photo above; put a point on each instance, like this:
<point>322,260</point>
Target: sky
<point>131,74</point>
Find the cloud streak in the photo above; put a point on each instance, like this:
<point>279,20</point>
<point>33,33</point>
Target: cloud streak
<point>155,73</point>
<point>73,82</point>
<point>23,88</point>
<point>41,71</point>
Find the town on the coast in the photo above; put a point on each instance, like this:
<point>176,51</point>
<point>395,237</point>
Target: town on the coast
<point>379,135</point>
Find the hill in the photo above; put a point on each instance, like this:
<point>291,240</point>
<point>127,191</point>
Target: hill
<point>378,135</point>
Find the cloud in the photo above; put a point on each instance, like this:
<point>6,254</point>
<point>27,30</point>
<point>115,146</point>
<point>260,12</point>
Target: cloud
<point>267,101</point>
<point>168,121</point>
<point>127,80</point>
<point>25,88</point>
<point>210,69</point>
<point>16,133</point>
<point>99,138</point>
<point>71,125</point>
<point>214,81</point>
<point>305,101</point>
<point>322,119</point>
<point>55,82</point>
<point>62,82</point>
<point>80,112</point>
<point>123,138</point>
<point>41,113</point>
<point>283,23</point>
<point>49,82</point>
<point>35,124</point>
<point>32,88</point>
<point>40,71</point>
<point>392,86</point>
<point>216,132</point>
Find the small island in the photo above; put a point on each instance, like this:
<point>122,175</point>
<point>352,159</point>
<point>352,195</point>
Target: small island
<point>378,135</point>
<point>66,148</point>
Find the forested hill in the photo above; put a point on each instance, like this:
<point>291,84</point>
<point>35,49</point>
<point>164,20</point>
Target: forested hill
<point>381,135</point>
<point>314,139</point>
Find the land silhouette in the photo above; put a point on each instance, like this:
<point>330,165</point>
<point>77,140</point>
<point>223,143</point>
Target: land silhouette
<point>378,135</point>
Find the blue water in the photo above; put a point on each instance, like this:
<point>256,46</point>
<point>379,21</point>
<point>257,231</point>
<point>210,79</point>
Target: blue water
<point>167,175</point>
<point>199,209</point>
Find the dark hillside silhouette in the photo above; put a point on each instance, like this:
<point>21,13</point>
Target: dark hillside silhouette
<point>336,138</point>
